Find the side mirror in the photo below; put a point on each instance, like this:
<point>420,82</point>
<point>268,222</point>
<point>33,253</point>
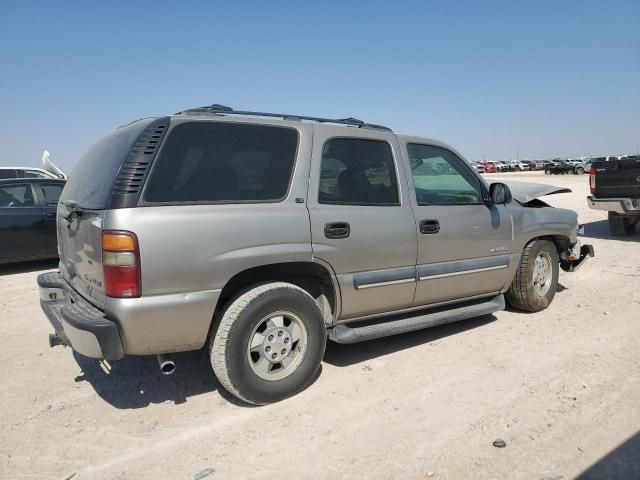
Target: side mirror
<point>499,193</point>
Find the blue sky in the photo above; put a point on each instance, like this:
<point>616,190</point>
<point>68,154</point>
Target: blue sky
<point>491,78</point>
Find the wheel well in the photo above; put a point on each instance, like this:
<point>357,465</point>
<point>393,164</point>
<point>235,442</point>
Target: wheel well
<point>560,241</point>
<point>314,278</point>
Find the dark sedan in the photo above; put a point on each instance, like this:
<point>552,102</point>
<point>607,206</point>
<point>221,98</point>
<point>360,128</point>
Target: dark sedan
<point>558,167</point>
<point>28,218</point>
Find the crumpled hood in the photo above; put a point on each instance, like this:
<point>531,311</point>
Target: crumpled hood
<point>525,192</point>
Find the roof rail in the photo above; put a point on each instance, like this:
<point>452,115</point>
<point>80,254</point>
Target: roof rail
<point>218,109</point>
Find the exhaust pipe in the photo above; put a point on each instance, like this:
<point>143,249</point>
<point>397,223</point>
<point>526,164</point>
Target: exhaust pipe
<point>55,340</point>
<point>167,365</point>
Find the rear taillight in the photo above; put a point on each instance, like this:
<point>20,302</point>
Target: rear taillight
<point>121,264</point>
<point>592,180</point>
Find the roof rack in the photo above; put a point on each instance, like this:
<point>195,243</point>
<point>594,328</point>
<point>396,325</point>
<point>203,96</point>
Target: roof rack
<point>224,110</point>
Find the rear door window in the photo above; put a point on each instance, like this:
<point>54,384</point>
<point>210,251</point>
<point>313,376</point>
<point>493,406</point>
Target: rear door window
<point>16,196</point>
<point>223,162</point>
<point>356,171</point>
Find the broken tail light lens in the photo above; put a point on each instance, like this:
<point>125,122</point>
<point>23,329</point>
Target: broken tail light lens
<point>121,264</point>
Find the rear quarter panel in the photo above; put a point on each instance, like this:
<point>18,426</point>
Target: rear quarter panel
<point>200,247</point>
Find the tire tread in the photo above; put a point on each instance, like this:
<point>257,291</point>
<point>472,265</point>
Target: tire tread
<point>518,295</point>
<point>225,330</point>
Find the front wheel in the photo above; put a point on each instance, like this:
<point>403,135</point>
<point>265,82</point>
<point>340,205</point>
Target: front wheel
<point>536,279</point>
<point>580,170</point>
<point>269,343</point>
<point>547,172</point>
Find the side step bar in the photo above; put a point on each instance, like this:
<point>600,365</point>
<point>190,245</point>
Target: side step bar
<point>363,331</point>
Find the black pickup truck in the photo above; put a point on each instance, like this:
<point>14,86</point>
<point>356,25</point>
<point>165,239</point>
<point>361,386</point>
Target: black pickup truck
<point>615,188</point>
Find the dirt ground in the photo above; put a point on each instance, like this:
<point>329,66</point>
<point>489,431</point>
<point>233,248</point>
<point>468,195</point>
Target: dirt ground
<point>561,388</point>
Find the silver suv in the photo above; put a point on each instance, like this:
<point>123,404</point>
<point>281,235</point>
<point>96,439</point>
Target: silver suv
<point>262,235</point>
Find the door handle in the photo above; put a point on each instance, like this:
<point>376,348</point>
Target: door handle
<point>337,230</point>
<point>50,215</point>
<point>429,226</point>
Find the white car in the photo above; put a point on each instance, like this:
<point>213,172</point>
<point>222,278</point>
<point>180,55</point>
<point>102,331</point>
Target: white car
<point>502,166</point>
<point>50,170</point>
<point>25,172</point>
<point>523,165</point>
<point>479,166</point>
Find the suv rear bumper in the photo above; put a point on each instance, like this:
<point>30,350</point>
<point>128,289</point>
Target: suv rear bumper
<point>79,324</point>
<point>624,206</point>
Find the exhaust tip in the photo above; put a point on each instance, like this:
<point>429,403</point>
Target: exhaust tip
<point>167,365</point>
<point>55,340</point>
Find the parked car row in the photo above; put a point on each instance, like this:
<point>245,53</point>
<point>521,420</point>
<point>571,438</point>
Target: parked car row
<point>491,166</point>
<point>565,166</point>
<point>555,166</point>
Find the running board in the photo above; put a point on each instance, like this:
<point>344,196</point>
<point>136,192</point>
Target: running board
<point>363,331</point>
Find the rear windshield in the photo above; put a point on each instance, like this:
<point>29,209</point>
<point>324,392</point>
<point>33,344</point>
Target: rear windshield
<point>90,182</point>
<point>223,162</point>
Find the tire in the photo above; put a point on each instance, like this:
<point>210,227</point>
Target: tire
<point>241,369</point>
<point>547,172</point>
<point>580,171</point>
<point>526,293</point>
<point>620,226</point>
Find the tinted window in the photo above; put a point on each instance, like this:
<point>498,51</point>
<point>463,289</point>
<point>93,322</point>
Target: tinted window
<point>223,162</point>
<point>91,180</point>
<point>51,193</point>
<point>8,173</point>
<point>357,172</point>
<point>441,178</point>
<point>16,196</point>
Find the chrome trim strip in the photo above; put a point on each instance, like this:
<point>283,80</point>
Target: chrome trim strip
<point>384,284</point>
<point>463,272</point>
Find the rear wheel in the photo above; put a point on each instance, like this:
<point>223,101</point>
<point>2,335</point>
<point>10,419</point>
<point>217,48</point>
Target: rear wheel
<point>269,343</point>
<point>547,172</point>
<point>619,225</point>
<point>536,279</point>
<point>580,170</point>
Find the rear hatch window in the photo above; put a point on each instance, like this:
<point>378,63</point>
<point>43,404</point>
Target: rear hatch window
<point>82,206</point>
<point>91,181</point>
<point>223,162</point>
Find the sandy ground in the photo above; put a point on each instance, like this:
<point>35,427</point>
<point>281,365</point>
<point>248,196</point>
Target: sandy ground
<point>561,388</point>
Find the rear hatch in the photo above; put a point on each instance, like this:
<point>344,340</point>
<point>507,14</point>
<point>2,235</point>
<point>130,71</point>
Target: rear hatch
<point>109,175</point>
<point>617,178</point>
<point>80,249</point>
